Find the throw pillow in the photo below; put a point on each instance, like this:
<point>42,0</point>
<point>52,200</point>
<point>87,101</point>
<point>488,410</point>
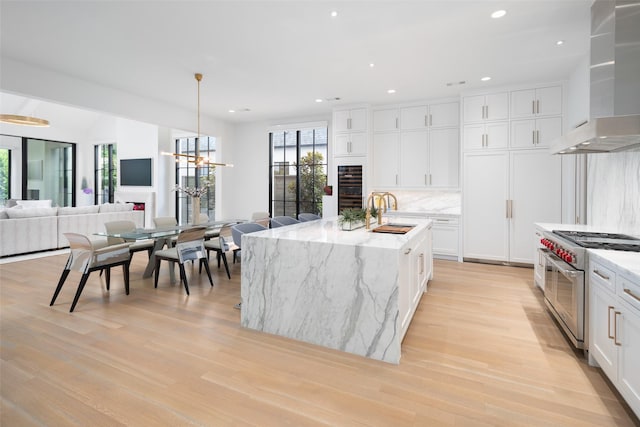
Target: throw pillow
<point>30,212</point>
<point>78,210</point>
<point>34,203</point>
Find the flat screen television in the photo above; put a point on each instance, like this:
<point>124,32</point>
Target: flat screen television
<point>135,172</point>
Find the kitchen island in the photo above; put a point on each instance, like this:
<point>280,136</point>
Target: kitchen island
<point>354,291</point>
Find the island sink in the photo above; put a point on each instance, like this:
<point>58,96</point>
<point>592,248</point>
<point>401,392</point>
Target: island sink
<point>394,228</point>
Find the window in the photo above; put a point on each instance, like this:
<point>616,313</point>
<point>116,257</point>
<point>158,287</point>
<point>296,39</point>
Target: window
<point>5,175</point>
<point>48,171</point>
<point>298,172</point>
<point>186,177</point>
<point>106,172</point>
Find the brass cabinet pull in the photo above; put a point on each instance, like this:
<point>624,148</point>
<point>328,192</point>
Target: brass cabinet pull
<point>601,275</point>
<point>396,123</point>
<point>538,106</point>
<point>615,328</point>
<point>430,120</point>
<point>425,121</point>
<point>425,179</point>
<point>421,259</point>
<point>487,110</point>
<point>507,208</point>
<point>533,107</point>
<point>609,322</point>
<point>631,294</point>
<point>348,123</point>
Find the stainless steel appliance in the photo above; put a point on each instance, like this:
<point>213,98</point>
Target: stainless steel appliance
<point>565,282</point>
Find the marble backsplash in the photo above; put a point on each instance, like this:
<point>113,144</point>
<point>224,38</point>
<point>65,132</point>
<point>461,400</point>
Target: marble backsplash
<point>613,191</point>
<point>429,201</point>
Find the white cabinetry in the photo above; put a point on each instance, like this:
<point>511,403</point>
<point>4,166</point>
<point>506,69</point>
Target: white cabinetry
<point>350,132</point>
<point>434,115</point>
<point>386,120</point>
<point>445,237</point>
<point>386,152</point>
<point>492,135</point>
<point>545,101</point>
<point>350,144</point>
<point>614,328</point>
<point>424,154</point>
<point>353,120</point>
<point>480,108</point>
<point>535,133</point>
<point>538,265</point>
<point>504,193</point>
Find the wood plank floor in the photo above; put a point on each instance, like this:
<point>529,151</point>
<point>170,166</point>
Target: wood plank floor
<point>481,351</point>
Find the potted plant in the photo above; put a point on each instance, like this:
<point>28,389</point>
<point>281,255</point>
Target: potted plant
<point>351,219</point>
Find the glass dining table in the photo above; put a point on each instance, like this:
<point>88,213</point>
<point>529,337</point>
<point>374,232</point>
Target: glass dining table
<point>162,236</point>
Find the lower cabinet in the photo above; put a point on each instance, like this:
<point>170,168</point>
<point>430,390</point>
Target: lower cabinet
<point>614,329</point>
<point>538,261</point>
<point>416,268</point>
<point>445,237</point>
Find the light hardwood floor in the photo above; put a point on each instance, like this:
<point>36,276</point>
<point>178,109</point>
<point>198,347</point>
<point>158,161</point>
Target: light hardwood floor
<point>481,351</point>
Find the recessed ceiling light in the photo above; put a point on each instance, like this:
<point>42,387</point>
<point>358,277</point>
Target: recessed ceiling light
<point>486,79</point>
<point>318,100</point>
<point>603,137</point>
<point>498,14</point>
<point>560,42</point>
<point>232,111</point>
<point>391,91</point>
<point>573,148</point>
<point>371,65</point>
<point>334,13</point>
<point>586,143</point>
<point>456,83</point>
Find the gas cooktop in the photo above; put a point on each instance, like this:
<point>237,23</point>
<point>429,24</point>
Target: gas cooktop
<point>591,240</point>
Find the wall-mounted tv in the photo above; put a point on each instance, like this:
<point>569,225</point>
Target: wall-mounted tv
<point>135,172</point>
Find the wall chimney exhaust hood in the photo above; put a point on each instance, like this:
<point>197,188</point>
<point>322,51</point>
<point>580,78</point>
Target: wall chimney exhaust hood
<point>614,123</point>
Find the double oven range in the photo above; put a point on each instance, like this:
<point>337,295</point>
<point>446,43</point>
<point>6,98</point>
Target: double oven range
<point>566,279</point>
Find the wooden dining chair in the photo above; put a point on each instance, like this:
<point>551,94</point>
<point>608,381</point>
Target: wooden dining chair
<point>86,257</point>
<point>189,247</point>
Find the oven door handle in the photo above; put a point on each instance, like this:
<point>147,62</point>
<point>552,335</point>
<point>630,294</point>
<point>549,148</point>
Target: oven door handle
<point>561,265</point>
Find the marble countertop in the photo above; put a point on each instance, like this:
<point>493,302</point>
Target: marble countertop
<point>329,231</point>
<point>578,227</point>
<point>421,214</point>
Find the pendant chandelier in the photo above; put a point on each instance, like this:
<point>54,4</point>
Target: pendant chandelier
<point>23,120</point>
<point>196,158</point>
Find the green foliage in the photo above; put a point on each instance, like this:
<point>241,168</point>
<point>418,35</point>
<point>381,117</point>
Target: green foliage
<point>312,182</point>
<point>4,174</point>
<point>352,215</point>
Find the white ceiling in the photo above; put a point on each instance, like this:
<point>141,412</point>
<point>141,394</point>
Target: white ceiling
<point>277,57</point>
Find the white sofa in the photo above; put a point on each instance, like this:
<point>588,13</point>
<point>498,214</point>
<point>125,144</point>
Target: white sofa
<point>32,229</point>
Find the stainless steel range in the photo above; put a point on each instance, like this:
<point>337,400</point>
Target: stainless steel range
<point>565,282</point>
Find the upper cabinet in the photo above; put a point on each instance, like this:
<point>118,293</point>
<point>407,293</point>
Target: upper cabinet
<point>353,120</point>
<point>546,101</point>
<point>386,120</point>
<point>479,108</point>
<point>434,115</point>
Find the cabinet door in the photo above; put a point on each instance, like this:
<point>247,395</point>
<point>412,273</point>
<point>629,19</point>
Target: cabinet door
<point>444,157</point>
<point>473,108</point>
<point>420,267</point>
<point>484,203</point>
<point>445,238</point>
<point>535,197</point>
<point>538,266</point>
<point>549,101</point>
<point>548,129</point>
<point>474,136</point>
<point>629,356</point>
<point>497,135</point>
<point>341,121</point>
<point>414,159</point>
<point>445,114</point>
<point>497,106</point>
<point>412,118</point>
<point>358,121</point>
<point>523,103</point>
<point>385,159</point>
<point>350,144</point>
<point>358,144</point>
<point>385,120</point>
<point>601,333</point>
<point>523,133</point>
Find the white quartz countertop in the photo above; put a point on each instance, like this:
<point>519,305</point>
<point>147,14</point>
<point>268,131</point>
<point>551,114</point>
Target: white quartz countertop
<point>449,212</point>
<point>626,262</point>
<point>329,231</point>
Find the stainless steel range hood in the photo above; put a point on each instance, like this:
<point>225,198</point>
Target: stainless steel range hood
<point>614,123</point>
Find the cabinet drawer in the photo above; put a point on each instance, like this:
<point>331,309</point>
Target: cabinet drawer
<point>606,277</point>
<point>445,221</point>
<point>629,291</point>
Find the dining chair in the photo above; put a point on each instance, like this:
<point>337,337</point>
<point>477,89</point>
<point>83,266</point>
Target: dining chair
<point>281,221</point>
<point>210,233</point>
<point>166,221</point>
<point>239,229</point>
<point>304,217</point>
<point>261,218</point>
<point>189,247</point>
<point>116,227</point>
<point>86,257</point>
<point>221,245</point>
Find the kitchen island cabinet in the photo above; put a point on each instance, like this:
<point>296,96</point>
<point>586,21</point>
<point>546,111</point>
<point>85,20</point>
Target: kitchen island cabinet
<point>354,291</point>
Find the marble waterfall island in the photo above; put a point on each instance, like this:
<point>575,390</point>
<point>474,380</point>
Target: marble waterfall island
<point>354,291</point>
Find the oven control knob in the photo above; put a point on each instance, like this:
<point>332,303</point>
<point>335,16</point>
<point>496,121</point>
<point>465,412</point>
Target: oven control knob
<point>569,258</point>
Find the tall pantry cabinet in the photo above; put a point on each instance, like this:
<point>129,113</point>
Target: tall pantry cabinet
<point>510,181</point>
